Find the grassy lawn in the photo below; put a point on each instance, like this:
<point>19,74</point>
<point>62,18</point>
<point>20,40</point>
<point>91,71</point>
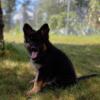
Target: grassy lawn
<point>16,70</point>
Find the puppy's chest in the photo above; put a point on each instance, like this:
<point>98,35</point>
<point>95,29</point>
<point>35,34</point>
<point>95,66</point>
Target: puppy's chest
<point>35,65</point>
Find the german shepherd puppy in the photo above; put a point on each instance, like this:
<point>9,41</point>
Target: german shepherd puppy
<point>51,64</point>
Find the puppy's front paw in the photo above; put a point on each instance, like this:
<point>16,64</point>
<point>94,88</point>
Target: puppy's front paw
<point>32,91</point>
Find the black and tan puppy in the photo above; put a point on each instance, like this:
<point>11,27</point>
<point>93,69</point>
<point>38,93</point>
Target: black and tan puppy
<point>52,65</point>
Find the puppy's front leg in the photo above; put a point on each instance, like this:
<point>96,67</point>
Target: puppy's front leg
<point>38,85</point>
<point>32,81</point>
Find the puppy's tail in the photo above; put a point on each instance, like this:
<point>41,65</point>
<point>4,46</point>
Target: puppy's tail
<point>87,76</point>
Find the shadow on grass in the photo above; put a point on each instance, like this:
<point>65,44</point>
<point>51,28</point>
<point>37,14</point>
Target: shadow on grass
<point>13,83</point>
<point>15,52</point>
<point>84,57</point>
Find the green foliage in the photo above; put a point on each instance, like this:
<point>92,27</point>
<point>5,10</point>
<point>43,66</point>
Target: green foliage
<point>9,8</point>
<point>58,21</point>
<point>94,5</point>
<point>61,20</point>
<point>54,21</point>
<point>51,6</point>
<point>94,11</point>
<point>81,3</point>
<point>55,11</point>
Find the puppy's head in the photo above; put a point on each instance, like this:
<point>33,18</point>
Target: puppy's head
<point>35,41</point>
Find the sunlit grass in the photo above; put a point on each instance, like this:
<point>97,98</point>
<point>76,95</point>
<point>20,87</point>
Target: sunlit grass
<point>72,39</point>
<point>16,70</point>
<point>11,37</point>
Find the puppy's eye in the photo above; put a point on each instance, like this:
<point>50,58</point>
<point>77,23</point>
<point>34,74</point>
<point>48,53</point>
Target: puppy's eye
<point>31,38</point>
<point>28,40</point>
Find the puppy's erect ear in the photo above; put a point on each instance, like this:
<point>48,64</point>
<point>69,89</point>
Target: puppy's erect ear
<point>28,29</point>
<point>44,30</point>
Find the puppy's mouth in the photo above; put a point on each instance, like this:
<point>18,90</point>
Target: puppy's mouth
<point>34,53</point>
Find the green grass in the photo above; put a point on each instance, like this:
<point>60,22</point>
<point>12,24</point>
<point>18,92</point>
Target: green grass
<point>16,70</point>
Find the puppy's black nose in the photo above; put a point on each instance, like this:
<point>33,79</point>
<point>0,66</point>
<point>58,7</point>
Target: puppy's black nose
<point>35,49</point>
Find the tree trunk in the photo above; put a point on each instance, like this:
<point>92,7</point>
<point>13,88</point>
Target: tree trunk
<point>1,28</point>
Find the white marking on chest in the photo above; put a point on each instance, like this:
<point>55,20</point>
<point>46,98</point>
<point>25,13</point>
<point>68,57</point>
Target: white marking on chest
<point>35,65</point>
